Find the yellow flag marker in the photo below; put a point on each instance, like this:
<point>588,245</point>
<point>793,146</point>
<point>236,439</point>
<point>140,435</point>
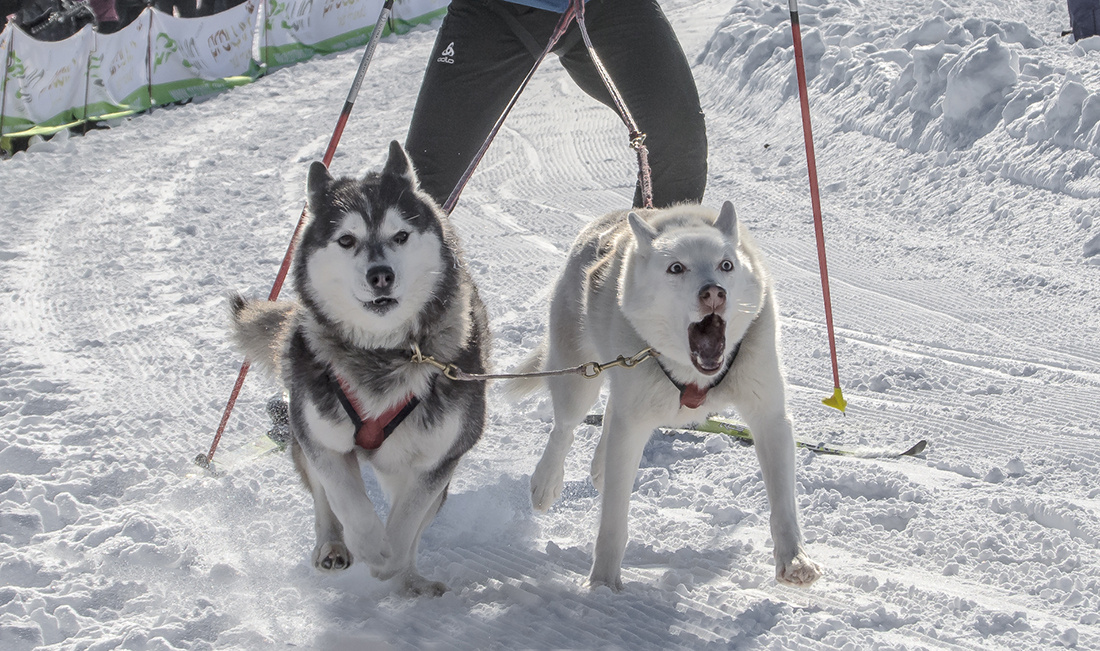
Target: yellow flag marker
<point>836,401</point>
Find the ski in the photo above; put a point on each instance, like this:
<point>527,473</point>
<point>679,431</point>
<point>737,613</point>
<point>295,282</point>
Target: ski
<point>275,440</point>
<point>235,458</point>
<point>729,427</point>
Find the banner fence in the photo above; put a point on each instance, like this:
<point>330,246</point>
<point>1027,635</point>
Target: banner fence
<point>159,59</point>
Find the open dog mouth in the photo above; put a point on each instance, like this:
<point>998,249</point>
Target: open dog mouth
<point>707,340</point>
<point>381,305</point>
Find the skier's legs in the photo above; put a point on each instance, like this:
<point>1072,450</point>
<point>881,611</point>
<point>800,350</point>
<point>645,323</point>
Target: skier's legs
<point>638,46</point>
<point>476,66</point>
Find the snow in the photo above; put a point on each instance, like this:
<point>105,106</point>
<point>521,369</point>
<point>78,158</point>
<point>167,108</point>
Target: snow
<point>957,145</point>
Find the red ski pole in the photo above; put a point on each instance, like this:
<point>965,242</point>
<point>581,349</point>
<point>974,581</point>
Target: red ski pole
<point>205,459</point>
<point>837,400</point>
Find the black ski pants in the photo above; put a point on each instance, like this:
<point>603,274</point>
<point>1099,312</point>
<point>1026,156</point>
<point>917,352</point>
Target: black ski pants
<point>484,50</point>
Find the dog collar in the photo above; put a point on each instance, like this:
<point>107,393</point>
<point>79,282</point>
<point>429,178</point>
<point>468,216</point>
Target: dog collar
<point>370,433</point>
<point>692,395</point>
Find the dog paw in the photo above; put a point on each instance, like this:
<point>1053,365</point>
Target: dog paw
<point>388,569</point>
<point>414,585</point>
<point>377,554</point>
<point>382,573</point>
<point>331,556</point>
<point>800,571</point>
<point>615,584</point>
<point>546,484</point>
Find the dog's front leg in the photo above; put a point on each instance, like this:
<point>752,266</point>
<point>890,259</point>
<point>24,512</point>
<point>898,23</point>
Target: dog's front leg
<point>330,553</point>
<point>623,439</point>
<point>774,442</point>
<point>342,482</point>
<point>415,504</point>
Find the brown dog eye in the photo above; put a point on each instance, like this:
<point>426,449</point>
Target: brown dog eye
<point>401,237</point>
<point>346,241</point>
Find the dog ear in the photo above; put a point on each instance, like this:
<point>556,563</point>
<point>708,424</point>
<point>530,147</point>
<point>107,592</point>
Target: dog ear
<point>318,183</point>
<point>727,222</point>
<point>644,234</point>
<point>398,164</point>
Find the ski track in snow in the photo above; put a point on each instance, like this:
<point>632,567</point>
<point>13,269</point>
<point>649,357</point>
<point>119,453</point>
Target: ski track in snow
<point>957,148</point>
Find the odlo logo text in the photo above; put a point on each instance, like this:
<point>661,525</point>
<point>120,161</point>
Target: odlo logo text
<point>447,55</point>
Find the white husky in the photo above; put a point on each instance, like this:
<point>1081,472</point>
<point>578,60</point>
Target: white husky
<point>691,285</point>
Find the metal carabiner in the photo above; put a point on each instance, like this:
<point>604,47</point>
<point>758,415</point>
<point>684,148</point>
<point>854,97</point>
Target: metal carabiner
<point>639,358</point>
<point>451,371</point>
<point>591,370</point>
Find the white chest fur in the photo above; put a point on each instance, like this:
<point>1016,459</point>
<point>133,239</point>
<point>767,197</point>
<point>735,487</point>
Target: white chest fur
<point>338,435</point>
<point>413,444</point>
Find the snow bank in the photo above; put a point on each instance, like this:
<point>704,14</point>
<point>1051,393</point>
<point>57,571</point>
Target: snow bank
<point>941,85</point>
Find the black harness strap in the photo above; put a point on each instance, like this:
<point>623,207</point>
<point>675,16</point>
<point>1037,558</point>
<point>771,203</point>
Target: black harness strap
<point>389,427</point>
<point>564,44</point>
<point>349,409</point>
<point>686,392</point>
<point>518,30</point>
<point>370,433</point>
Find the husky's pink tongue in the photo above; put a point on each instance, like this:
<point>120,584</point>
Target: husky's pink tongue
<point>707,340</point>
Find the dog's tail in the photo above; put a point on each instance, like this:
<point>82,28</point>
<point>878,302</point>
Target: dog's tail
<point>260,329</point>
<point>517,388</point>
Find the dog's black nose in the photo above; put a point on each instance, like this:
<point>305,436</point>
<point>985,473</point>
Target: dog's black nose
<point>713,297</point>
<point>380,278</point>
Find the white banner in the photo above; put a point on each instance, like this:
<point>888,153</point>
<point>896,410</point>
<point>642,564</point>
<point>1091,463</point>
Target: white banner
<point>160,59</point>
<point>296,30</point>
<point>45,82</point>
<point>5,52</point>
<point>119,78</point>
<point>196,56</point>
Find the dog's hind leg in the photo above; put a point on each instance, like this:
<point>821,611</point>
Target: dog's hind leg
<point>567,346</point>
<point>330,554</point>
<point>624,438</point>
<point>572,398</point>
<point>599,458</point>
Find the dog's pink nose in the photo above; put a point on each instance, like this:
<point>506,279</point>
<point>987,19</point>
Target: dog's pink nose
<point>713,298</point>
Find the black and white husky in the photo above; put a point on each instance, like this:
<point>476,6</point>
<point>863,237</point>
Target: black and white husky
<point>377,271</point>
<point>691,285</point>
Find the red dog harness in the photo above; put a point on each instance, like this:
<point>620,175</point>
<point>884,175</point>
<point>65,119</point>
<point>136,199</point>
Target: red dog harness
<point>370,433</point>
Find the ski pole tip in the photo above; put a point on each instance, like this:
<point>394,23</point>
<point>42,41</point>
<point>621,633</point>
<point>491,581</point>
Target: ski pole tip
<point>836,401</point>
<point>204,462</point>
